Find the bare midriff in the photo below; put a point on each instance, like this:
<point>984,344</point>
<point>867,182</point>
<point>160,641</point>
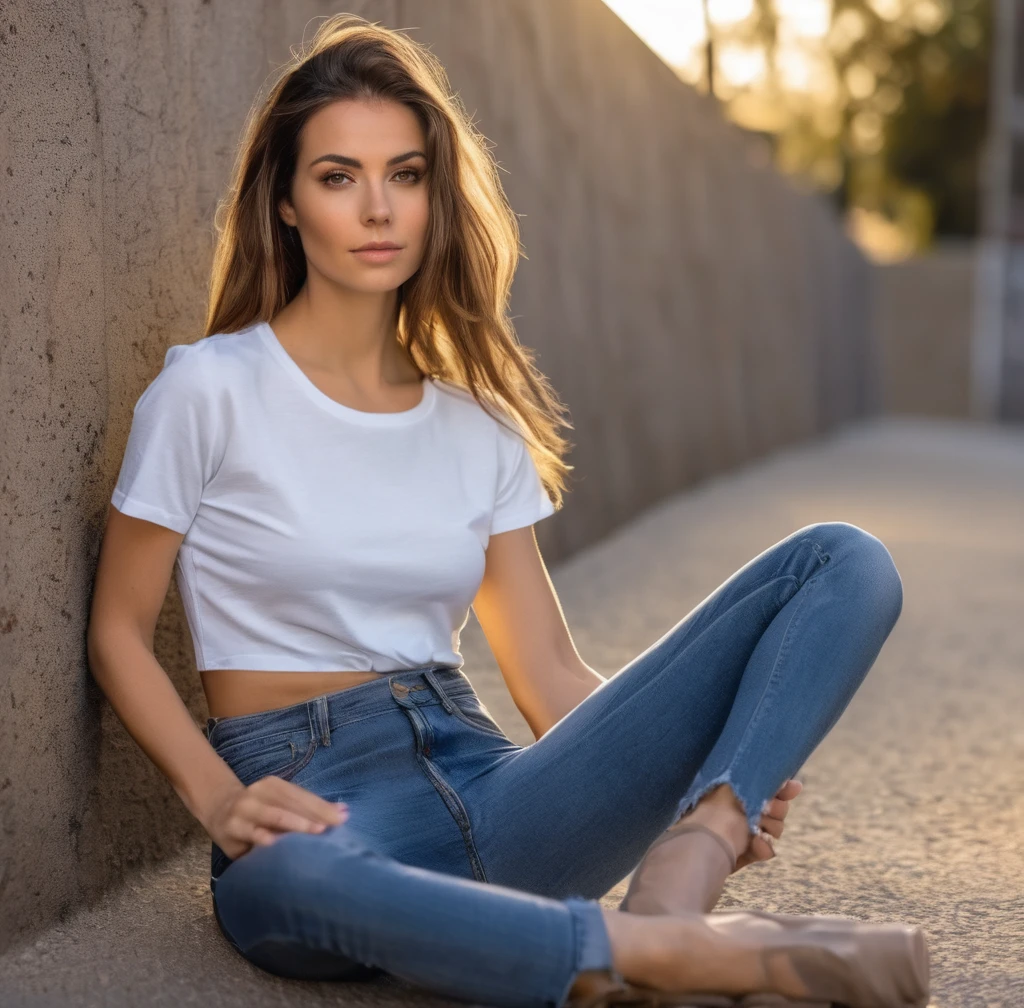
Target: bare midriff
<point>230,692</point>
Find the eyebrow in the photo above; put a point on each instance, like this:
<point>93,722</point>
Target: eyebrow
<point>353,163</point>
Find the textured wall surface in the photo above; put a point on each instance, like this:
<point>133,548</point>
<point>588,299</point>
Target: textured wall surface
<point>923,324</point>
<point>692,309</point>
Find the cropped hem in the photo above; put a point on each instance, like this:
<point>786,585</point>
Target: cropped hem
<point>592,944</point>
<point>263,663</point>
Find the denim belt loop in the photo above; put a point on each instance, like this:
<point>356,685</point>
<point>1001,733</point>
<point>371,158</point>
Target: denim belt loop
<point>319,719</point>
<point>439,690</point>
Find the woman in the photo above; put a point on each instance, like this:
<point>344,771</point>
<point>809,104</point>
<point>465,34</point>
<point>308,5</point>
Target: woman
<point>354,454</point>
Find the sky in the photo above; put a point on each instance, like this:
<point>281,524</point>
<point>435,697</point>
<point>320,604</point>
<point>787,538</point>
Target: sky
<point>676,30</point>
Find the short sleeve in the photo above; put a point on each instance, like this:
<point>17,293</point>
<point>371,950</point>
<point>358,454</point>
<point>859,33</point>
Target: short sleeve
<point>521,498</point>
<point>171,453</point>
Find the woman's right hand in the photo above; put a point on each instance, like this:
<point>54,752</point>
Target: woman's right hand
<point>255,816</point>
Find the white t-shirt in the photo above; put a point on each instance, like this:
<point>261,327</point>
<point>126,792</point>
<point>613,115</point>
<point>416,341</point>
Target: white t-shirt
<point>319,537</point>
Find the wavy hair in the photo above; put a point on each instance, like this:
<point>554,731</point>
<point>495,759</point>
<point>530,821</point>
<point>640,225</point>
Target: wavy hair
<point>452,313</point>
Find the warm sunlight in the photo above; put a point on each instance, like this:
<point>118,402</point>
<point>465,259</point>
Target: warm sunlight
<point>677,31</point>
<point>823,81</point>
<point>809,18</point>
<point>674,29</point>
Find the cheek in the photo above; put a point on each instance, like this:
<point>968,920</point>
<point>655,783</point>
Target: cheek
<point>419,217</point>
<point>327,228</point>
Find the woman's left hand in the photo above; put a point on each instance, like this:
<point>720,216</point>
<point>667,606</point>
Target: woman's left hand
<point>775,810</point>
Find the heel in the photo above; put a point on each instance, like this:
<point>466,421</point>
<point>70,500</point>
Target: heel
<point>856,963</point>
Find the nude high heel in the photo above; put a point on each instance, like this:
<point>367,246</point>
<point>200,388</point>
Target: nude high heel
<point>842,962</point>
<point>633,895</point>
<point>863,964</point>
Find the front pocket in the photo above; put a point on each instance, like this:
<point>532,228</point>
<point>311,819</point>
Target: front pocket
<point>469,708</point>
<point>281,756</point>
<point>252,741</point>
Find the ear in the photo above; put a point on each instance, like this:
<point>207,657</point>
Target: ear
<point>287,213</point>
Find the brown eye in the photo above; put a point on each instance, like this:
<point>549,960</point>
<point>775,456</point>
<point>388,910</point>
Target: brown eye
<point>416,176</point>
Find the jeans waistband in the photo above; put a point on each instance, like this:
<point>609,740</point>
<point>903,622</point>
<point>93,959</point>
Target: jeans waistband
<point>322,714</point>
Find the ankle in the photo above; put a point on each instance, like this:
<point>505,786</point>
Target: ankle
<point>661,950</point>
<point>590,983</point>
<point>721,810</point>
<point>630,938</point>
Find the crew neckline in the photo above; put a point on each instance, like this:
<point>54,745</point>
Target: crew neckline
<point>398,419</point>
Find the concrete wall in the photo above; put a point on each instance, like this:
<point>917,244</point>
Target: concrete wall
<point>923,322</point>
<point>692,309</point>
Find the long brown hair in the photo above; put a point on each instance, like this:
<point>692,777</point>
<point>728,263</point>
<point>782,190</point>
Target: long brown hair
<point>452,312</point>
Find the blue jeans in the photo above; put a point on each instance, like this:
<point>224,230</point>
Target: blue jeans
<point>472,866</point>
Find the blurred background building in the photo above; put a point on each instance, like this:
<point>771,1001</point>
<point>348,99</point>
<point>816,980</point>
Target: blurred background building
<point>999,356</point>
<point>907,115</point>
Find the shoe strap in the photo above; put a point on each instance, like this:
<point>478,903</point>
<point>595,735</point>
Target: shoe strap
<point>685,827</point>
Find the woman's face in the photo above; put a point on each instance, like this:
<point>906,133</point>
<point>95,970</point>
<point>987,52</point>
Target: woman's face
<point>361,177</point>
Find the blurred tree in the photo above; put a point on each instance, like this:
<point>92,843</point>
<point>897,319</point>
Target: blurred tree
<point>881,103</point>
<point>914,126</point>
<point>935,140</point>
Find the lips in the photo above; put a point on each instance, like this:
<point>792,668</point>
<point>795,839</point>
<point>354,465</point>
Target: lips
<point>380,256</point>
<point>373,246</point>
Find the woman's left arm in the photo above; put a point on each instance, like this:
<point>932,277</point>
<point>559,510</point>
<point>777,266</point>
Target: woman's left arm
<point>563,692</point>
<point>521,617</point>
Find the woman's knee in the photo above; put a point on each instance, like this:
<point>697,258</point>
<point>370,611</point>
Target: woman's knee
<point>868,554</point>
<point>291,869</point>
<point>295,907</point>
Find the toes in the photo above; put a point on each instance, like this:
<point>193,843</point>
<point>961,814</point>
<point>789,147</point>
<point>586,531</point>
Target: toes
<point>763,846</point>
<point>760,849</point>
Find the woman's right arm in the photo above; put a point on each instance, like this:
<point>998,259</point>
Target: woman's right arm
<point>133,573</point>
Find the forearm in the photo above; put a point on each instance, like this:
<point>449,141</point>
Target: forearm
<point>148,705</point>
<point>563,691</point>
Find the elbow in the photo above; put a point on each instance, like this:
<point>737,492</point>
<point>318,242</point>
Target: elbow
<point>95,648</point>
<point>104,641</point>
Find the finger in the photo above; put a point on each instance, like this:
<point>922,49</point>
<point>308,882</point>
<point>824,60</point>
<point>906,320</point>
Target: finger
<point>790,789</point>
<point>261,837</point>
<point>267,812</point>
<point>311,804</point>
<point>776,807</point>
<point>301,801</point>
<point>265,803</point>
<point>760,849</point>
<point>772,826</point>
